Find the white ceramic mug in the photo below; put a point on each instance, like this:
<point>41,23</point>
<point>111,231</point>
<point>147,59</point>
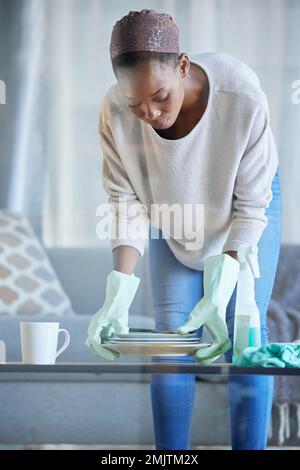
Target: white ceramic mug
<point>39,342</point>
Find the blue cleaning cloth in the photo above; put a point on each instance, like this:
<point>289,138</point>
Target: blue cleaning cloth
<point>271,355</point>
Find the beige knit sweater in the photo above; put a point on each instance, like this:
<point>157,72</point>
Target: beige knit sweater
<point>219,175</point>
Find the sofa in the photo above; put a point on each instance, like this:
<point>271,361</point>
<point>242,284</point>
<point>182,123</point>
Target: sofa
<point>116,409</point>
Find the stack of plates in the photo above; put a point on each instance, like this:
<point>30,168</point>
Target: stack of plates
<point>151,343</point>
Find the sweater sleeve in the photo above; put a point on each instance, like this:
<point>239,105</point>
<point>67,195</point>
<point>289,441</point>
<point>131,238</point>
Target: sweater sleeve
<point>129,223</point>
<point>252,190</point>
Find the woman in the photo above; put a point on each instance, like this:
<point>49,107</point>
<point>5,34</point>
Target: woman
<point>188,131</point>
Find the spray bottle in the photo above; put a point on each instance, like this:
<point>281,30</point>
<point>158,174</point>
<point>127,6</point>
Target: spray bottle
<point>247,318</point>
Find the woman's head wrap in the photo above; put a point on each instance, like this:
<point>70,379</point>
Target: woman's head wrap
<point>145,30</point>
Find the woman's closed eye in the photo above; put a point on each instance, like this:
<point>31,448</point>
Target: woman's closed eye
<point>159,100</point>
<point>163,99</point>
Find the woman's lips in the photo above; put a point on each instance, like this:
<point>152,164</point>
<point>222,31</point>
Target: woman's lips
<point>160,124</point>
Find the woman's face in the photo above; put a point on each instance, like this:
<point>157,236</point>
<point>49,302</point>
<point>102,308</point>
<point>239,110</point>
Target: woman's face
<point>154,92</point>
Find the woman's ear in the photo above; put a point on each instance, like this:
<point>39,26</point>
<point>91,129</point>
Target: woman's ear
<point>183,64</point>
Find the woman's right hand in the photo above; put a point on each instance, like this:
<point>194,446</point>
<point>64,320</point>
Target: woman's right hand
<point>112,317</point>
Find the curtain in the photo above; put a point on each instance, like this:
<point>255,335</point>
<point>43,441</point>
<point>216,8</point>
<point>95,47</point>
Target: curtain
<point>50,153</point>
<point>22,138</point>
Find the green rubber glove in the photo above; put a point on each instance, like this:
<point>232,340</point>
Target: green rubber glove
<point>220,277</point>
<point>112,317</point>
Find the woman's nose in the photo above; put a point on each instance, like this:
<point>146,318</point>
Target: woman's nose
<point>152,114</point>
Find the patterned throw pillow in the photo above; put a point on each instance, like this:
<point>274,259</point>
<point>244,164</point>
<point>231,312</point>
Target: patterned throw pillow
<point>28,283</point>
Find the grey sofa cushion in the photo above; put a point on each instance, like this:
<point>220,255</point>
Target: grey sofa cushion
<point>286,288</point>
<point>83,273</point>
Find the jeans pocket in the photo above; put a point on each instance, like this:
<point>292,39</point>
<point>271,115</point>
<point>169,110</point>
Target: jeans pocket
<point>276,182</point>
<point>273,211</point>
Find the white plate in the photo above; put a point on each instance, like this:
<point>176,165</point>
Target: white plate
<point>159,341</point>
<point>154,335</point>
<point>155,349</point>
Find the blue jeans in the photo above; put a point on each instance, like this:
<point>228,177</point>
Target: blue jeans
<point>176,289</point>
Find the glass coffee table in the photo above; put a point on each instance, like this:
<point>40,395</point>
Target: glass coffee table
<point>122,389</point>
<point>94,370</point>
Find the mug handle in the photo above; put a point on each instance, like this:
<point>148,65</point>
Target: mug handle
<point>66,343</point>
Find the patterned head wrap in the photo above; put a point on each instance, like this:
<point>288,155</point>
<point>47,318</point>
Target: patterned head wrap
<point>145,30</point>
